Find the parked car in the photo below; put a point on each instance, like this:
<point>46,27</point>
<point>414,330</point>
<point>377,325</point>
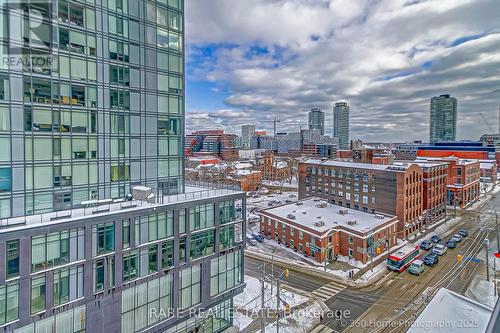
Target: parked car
<point>451,244</point>
<point>431,259</point>
<point>439,249</point>
<point>417,267</point>
<point>426,245</point>
<point>251,241</point>
<point>435,239</point>
<point>463,233</point>
<point>258,237</point>
<point>457,238</point>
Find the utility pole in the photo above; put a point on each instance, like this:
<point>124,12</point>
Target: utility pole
<point>498,233</point>
<point>272,272</point>
<point>486,243</point>
<point>262,299</point>
<point>455,206</point>
<point>277,305</point>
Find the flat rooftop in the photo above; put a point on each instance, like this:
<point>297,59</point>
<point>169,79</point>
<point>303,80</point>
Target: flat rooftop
<point>366,166</point>
<point>309,211</point>
<point>109,207</point>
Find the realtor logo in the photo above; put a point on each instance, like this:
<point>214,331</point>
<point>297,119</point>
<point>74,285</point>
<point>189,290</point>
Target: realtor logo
<point>30,35</point>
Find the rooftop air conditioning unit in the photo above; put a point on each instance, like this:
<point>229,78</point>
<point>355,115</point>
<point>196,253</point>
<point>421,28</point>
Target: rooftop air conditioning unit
<point>379,216</point>
<point>316,199</point>
<point>299,203</point>
<point>141,193</point>
<point>291,216</point>
<point>319,223</point>
<point>353,222</point>
<point>343,211</point>
<point>322,205</point>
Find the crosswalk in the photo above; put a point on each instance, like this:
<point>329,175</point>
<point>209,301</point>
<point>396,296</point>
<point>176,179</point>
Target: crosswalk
<point>322,329</point>
<point>328,291</point>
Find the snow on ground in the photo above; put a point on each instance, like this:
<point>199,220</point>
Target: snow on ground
<point>483,291</point>
<point>301,321</point>
<point>250,299</point>
<point>293,184</point>
<point>241,321</point>
<point>369,274</point>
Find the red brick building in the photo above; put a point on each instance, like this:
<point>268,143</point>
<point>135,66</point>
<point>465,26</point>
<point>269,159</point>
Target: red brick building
<point>435,177</point>
<point>390,189</point>
<point>318,229</point>
<point>463,180</point>
<point>488,170</point>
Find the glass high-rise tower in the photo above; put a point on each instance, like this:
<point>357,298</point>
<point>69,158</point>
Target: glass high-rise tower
<point>443,118</point>
<point>341,124</point>
<point>92,101</point>
<point>98,232</point>
<point>317,120</point>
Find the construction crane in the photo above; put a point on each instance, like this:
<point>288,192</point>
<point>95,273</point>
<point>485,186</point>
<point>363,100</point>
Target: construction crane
<point>486,122</point>
<point>275,122</point>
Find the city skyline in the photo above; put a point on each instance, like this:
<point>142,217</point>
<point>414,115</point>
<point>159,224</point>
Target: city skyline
<point>240,72</point>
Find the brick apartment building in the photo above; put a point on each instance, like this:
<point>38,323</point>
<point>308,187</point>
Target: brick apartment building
<point>463,180</point>
<point>434,189</point>
<point>391,189</point>
<point>318,229</point>
<point>488,170</point>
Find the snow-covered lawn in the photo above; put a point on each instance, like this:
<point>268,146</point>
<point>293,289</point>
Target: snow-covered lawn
<point>241,321</point>
<point>301,321</point>
<point>250,299</point>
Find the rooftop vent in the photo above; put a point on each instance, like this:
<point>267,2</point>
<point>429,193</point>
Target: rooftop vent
<point>379,216</point>
<point>141,193</point>
<point>343,211</point>
<point>291,216</point>
<point>322,205</point>
<point>299,203</point>
<point>316,199</point>
<point>319,223</point>
<point>353,222</point>
<point>304,213</point>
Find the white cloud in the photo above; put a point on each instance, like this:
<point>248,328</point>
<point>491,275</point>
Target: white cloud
<point>322,51</point>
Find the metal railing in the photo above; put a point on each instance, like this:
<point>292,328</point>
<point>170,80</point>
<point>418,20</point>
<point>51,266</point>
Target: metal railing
<point>192,192</point>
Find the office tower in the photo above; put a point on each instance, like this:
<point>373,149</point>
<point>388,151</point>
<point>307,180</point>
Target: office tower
<point>443,118</point>
<point>341,124</point>
<point>317,120</point>
<point>99,232</point>
<point>247,131</point>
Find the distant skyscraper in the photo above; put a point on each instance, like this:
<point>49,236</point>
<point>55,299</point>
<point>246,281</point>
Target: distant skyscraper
<point>317,120</point>
<point>443,122</point>
<point>341,124</point>
<point>247,131</point>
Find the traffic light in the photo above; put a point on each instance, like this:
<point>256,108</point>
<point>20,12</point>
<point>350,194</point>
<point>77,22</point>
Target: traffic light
<point>286,272</point>
<point>459,257</point>
<point>287,308</point>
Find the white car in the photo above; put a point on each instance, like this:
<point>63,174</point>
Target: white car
<point>457,238</point>
<point>439,249</point>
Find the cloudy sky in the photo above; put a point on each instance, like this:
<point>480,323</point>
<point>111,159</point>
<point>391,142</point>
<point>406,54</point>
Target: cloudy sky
<point>249,61</point>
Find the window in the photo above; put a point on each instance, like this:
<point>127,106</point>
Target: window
<point>153,258</point>
<point>37,294</point>
<point>142,302</point>
<point>130,266</point>
<point>66,279</point>
<point>118,51</point>
<point>119,99</point>
<point>126,233</point>
<point>120,172</point>
<point>201,217</point>
<point>119,75</point>
<point>182,250</point>
<point>49,250</point>
<point>226,237</point>
<point>202,244</point>
<point>350,240</point>
<point>99,275</point>
<point>4,118</point>
<point>103,238</point>
<point>4,88</point>
<point>225,272</point>
<point>12,252</point>
<point>190,286</point>
<point>167,254</point>
<point>227,212</point>
<point>9,302</point>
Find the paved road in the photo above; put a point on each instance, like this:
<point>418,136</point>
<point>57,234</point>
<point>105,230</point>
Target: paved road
<point>385,300</point>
